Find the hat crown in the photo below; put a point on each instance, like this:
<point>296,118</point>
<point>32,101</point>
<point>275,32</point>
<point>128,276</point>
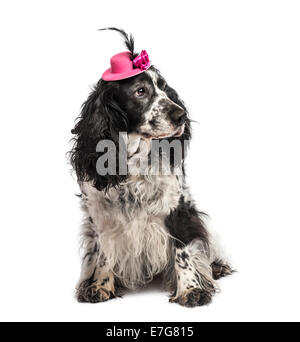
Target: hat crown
<point>121,62</point>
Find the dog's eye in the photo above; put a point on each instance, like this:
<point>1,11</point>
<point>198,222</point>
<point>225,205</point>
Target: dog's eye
<point>140,92</point>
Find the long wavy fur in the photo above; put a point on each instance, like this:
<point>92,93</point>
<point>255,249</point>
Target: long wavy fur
<point>100,118</point>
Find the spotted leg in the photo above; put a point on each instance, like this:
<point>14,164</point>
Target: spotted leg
<point>193,283</point>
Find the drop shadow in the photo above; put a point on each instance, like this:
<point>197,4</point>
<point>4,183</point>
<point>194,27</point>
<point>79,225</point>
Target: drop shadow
<point>155,286</point>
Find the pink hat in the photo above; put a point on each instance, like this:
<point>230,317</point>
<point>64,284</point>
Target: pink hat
<point>123,67</point>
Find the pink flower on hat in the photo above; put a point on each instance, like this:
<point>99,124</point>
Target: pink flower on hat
<point>141,61</point>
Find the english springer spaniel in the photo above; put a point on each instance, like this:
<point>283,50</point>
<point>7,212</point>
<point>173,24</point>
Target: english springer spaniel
<point>140,225</point>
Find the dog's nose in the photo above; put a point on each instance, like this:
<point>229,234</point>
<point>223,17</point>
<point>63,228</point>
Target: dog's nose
<point>178,116</point>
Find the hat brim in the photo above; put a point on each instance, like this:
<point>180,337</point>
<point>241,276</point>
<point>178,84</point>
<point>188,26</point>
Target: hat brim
<point>108,75</point>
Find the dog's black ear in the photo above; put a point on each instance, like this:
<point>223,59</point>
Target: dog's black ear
<point>100,119</point>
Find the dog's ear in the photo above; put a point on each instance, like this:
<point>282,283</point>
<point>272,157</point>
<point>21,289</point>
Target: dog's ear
<point>100,119</point>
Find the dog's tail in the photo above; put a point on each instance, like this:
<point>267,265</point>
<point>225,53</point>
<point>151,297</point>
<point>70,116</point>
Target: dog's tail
<point>128,40</point>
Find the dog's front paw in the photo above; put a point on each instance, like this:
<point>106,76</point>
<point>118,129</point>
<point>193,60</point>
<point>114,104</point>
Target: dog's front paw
<point>91,293</point>
<point>194,297</point>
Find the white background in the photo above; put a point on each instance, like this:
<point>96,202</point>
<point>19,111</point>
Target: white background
<point>237,66</point>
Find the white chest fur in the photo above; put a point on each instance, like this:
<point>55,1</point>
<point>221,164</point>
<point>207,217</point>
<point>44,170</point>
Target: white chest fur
<point>130,224</point>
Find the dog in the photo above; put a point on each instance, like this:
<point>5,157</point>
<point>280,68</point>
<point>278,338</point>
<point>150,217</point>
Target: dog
<point>140,226</point>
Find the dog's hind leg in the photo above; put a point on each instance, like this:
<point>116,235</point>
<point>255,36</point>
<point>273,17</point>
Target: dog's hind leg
<point>218,260</point>
<point>97,282</point>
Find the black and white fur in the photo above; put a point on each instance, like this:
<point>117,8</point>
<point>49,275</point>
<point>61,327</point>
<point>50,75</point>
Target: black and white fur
<point>140,226</point>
